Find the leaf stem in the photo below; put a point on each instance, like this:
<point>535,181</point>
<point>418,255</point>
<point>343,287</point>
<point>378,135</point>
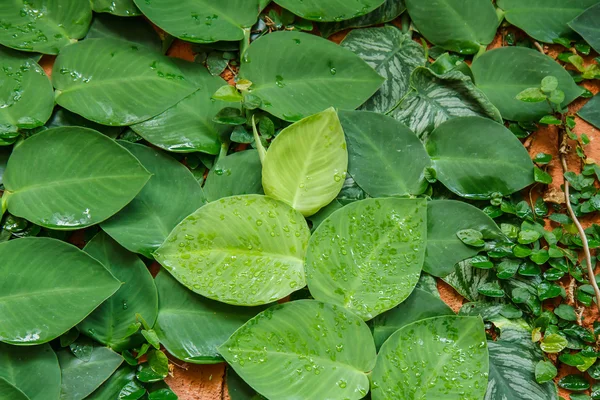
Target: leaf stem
<point>259,146</point>
<point>245,43</point>
<point>3,203</point>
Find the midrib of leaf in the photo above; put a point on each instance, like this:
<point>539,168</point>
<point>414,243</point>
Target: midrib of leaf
<point>148,80</point>
<point>45,292</point>
<point>309,81</point>
<point>464,23</point>
<point>473,160</point>
<point>247,253</point>
<point>305,165</point>
<point>69,182</point>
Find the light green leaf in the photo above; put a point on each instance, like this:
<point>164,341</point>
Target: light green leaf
<point>202,21</point>
<point>586,24</point>
<point>591,111</point>
<point>44,26</point>
<point>81,378</point>
<point>437,98</point>
<point>121,383</point>
<point>233,175</point>
<point>388,11</point>
<point>48,287</point>
<point>99,178</point>
<point>437,358</point>
<point>26,96</point>
<point>114,82</point>
<point>110,323</point>
<point>191,327</point>
<point>462,26</point>
<point>136,30</point>
<point>553,343</point>
<point>393,55</point>
<point>320,351</point>
<point>544,20</point>
<point>418,306</point>
<point>466,280</point>
<point>306,164</point>
<point>292,90</point>
<point>122,8</point>
<point>367,256</point>
<point>385,157</point>
<point>244,250</point>
<point>329,10</point>
<point>505,72</point>
<point>444,219</point>
<point>171,194</point>
<point>33,370</point>
<point>10,392</point>
<point>475,157</point>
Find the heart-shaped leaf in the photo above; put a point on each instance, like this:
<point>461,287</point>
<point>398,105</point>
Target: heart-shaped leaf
<point>191,327</point>
<point>385,157</point>
<point>123,8</point>
<point>43,26</point>
<point>441,358</point>
<point>98,180</point>
<point>476,157</point>
<point>505,72</point>
<point>306,164</point>
<point>329,10</point>
<point>48,287</point>
<point>114,82</point>
<point>463,26</point>
<point>591,111</point>
<point>368,256</point>
<point>291,90</point>
<point>110,324</point>
<point>10,392</point>
<point>387,12</point>
<point>171,194</point>
<point>586,24</point>
<point>234,175</point>
<point>319,350</point>
<point>33,370</point>
<point>244,250</point>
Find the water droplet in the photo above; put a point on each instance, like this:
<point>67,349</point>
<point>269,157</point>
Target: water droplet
<point>279,81</point>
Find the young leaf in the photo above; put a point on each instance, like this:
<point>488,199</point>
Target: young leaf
<point>553,343</point>
<point>532,95</point>
<point>545,371</point>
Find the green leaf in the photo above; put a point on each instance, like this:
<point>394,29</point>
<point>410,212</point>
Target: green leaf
<point>158,361</point>
<point>393,55</point>
<point>466,280</point>
<point>497,161</point>
<point>238,389</point>
<point>26,93</point>
<point>408,366</point>
<point>505,72</point>
<point>245,250</point>
<point>329,10</point>
<point>136,30</point>
<point>44,27</point>
<point>114,82</point>
<point>418,306</point>
<point>171,194</point>
<point>491,289</point>
<point>553,343</point>
<point>387,12</point>
<point>545,371</point>
<point>10,392</point>
<point>121,385</point>
<point>123,8</point>
<point>368,255</point>
<point>586,24</point>
<point>462,26</point>
<point>544,20</point>
<point>550,120</point>
<point>576,383</point>
<point>541,176</point>
<point>48,287</point>
<point>291,90</point>
<point>471,237</point>
<point>591,111</point>
<point>385,157</point>
<point>80,378</point>
<point>110,323</point>
<point>532,95</point>
<point>236,174</point>
<point>98,180</point>
<point>437,98</point>
<point>306,164</point>
<point>202,21</point>
<point>191,327</point>
<point>33,370</point>
<point>286,344</point>
<point>227,93</point>
<point>549,84</point>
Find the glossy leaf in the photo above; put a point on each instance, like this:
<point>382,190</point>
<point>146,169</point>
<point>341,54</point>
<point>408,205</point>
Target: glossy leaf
<point>466,279</point>
<point>48,287</point>
<point>329,10</point>
<point>291,90</point>
<point>33,370</point>
<point>136,30</point>
<point>409,367</point>
<point>202,21</point>
<point>505,72</point>
<point>123,8</point>
<point>591,111</point>
<point>462,26</point>
<point>393,55</point>
<point>387,12</point>
<point>236,174</point>
<point>10,392</point>
<point>444,219</point>
<point>367,256</point>
<point>44,26</point>
<point>171,194</point>
<point>243,250</point>
<point>238,389</point>
<point>434,99</point>
<point>497,162</point>
<point>122,383</point>
<point>544,20</point>
<point>110,324</point>
<point>61,117</point>
<point>385,157</point>
<point>419,305</point>
<point>26,96</point>
<point>99,179</point>
<point>586,24</point>
<point>191,327</point>
<point>114,82</point>
<point>286,344</point>
<point>306,164</point>
<point>81,378</point>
